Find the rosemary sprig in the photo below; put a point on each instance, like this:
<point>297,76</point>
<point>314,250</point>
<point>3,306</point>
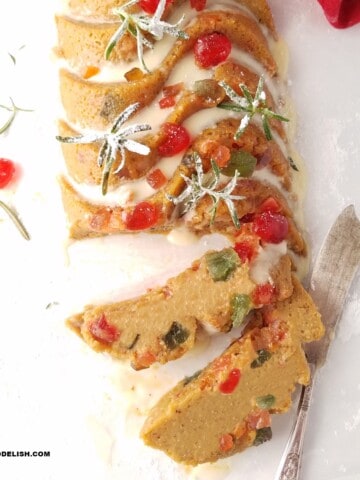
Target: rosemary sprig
<point>251,106</point>
<point>113,141</point>
<point>51,304</point>
<point>201,184</point>
<point>12,55</point>
<point>17,222</point>
<point>293,164</point>
<point>14,110</point>
<point>138,24</point>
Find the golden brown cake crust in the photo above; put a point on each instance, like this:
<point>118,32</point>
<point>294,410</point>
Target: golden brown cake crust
<point>77,46</point>
<point>97,105</point>
<point>102,9</point>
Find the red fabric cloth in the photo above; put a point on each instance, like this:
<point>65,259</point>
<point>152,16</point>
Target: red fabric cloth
<point>341,13</point>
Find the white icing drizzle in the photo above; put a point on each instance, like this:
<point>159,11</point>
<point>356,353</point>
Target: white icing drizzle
<point>284,147</point>
<point>184,72</point>
<point>91,19</point>
<point>153,58</point>
<point>114,73</point>
<point>126,194</point>
<point>182,236</point>
<point>134,191</point>
<point>138,190</point>
<point>267,258</point>
<point>280,53</point>
<point>266,176</point>
<point>209,328</point>
<point>205,119</point>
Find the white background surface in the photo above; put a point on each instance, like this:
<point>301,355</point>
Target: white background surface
<point>57,395</point>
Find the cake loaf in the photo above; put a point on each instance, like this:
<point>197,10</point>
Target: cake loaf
<point>175,116</point>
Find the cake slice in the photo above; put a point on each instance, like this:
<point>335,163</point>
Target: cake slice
<point>216,292</point>
<point>226,407</point>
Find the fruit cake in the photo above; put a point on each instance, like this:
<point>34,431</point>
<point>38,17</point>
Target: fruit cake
<point>226,407</point>
<point>175,115</point>
<point>162,323</point>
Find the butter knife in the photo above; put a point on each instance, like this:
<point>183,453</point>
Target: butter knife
<point>333,273</point>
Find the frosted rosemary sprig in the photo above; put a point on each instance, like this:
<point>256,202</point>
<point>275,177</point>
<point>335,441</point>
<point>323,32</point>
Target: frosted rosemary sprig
<point>13,109</point>
<point>200,185</point>
<point>13,55</point>
<point>136,24</point>
<point>16,220</point>
<point>113,141</point>
<point>251,106</point>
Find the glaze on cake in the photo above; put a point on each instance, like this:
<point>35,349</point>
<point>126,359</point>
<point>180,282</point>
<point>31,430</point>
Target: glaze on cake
<point>230,154</point>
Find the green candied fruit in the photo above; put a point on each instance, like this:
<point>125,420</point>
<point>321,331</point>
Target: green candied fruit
<point>266,401</point>
<point>241,161</point>
<point>262,435</point>
<point>240,306</point>
<point>222,264</point>
<point>175,336</point>
<point>263,356</point>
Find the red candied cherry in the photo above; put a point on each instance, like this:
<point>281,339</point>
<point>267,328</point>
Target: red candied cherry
<point>156,179</point>
<point>198,4</point>
<point>246,250</point>
<point>226,442</point>
<point>144,215</point>
<point>167,102</point>
<point>176,139</point>
<point>103,331</point>
<point>229,385</point>
<point>150,6</point>
<point>7,172</point>
<point>271,227</point>
<point>263,294</point>
<point>211,49</point>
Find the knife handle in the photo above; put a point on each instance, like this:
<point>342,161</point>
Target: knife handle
<point>290,463</point>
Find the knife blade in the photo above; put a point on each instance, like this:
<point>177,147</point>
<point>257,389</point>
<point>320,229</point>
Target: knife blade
<point>332,276</point>
<point>333,273</point>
